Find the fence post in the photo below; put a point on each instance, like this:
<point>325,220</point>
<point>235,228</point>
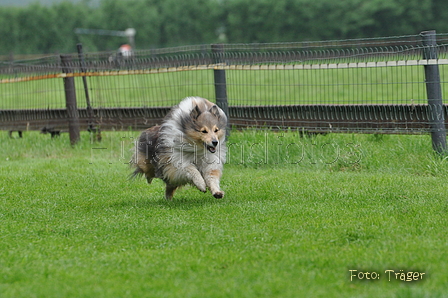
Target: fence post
<point>220,82</point>
<point>434,92</point>
<point>70,100</point>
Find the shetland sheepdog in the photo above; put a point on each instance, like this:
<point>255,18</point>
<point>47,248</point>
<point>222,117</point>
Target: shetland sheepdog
<point>187,148</point>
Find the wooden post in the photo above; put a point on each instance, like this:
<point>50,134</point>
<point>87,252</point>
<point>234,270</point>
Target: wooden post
<point>70,100</point>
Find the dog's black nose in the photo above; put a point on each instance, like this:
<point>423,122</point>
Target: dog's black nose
<point>215,143</point>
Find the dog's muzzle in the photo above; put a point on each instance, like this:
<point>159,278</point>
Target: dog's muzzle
<point>212,148</point>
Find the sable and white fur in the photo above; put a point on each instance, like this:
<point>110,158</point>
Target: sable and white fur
<point>188,148</point>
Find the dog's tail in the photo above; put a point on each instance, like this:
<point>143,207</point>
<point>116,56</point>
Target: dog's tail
<point>139,173</point>
<point>136,174</point>
<point>134,164</point>
<point>144,149</point>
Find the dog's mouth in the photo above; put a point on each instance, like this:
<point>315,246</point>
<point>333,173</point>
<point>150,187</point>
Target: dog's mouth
<point>211,149</point>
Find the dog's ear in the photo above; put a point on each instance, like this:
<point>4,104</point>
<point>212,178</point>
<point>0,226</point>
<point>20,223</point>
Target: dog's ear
<point>215,111</point>
<point>195,112</point>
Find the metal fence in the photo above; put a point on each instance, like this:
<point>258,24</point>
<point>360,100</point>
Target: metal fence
<point>375,85</point>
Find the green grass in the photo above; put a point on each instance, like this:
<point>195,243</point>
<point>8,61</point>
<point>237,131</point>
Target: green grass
<point>293,223</point>
<point>377,85</point>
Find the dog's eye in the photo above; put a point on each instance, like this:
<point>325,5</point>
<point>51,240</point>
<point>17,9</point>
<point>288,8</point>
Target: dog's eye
<point>204,131</point>
<point>216,130</point>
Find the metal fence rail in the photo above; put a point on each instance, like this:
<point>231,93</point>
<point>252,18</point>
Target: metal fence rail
<point>394,119</point>
<point>365,85</point>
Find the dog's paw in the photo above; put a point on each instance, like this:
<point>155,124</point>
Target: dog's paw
<point>219,194</point>
<point>199,182</point>
<point>201,186</point>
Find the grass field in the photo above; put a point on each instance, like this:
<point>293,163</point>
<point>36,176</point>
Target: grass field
<point>373,85</point>
<point>298,215</point>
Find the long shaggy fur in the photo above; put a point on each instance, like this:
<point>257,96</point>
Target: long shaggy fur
<point>188,148</point>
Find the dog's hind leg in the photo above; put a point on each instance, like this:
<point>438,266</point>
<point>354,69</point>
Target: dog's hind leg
<point>169,191</point>
<point>150,175</point>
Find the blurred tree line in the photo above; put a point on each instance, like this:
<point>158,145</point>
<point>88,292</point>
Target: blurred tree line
<point>161,23</point>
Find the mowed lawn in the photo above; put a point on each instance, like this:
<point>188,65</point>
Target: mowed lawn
<point>298,215</point>
<point>365,85</point>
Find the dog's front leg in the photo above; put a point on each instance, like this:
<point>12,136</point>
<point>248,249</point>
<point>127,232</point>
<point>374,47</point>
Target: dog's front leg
<point>196,177</point>
<point>212,179</point>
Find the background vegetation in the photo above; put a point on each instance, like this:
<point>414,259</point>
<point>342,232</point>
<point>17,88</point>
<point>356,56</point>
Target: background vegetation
<point>40,28</point>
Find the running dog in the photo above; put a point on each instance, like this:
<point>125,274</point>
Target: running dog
<point>187,148</point>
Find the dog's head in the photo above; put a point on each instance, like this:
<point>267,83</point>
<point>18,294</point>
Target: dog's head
<point>208,126</point>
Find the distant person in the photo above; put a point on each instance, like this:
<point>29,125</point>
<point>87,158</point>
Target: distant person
<point>124,52</point>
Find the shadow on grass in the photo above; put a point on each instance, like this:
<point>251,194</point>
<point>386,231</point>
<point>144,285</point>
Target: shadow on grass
<point>181,203</point>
